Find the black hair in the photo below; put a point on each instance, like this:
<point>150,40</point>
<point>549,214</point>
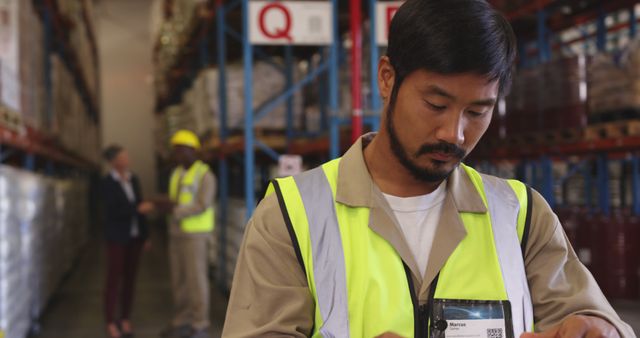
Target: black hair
<point>451,37</point>
<point>111,152</point>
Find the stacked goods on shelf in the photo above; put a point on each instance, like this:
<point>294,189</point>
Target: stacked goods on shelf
<point>71,124</point>
<point>23,89</point>
<point>174,34</point>
<point>606,243</point>
<point>21,66</point>
<point>32,54</point>
<point>267,83</point>
<point>614,88</point>
<point>621,239</point>
<point>565,94</point>
<point>236,212</point>
<point>200,107</point>
<point>549,98</point>
<point>523,104</point>
<point>42,226</point>
<point>80,39</point>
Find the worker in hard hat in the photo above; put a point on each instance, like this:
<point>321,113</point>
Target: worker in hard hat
<point>191,191</point>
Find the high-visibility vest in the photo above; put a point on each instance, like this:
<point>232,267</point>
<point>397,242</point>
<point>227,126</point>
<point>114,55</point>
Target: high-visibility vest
<point>361,286</point>
<point>183,192</point>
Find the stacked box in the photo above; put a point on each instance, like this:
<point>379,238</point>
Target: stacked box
<point>174,34</point>
<point>564,93</point>
<point>524,104</point>
<point>14,291</point>
<point>236,223</point>
<point>31,66</point>
<point>551,96</point>
<point>267,83</point>
<point>614,82</point>
<point>43,224</point>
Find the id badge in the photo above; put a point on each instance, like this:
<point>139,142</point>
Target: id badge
<point>471,319</point>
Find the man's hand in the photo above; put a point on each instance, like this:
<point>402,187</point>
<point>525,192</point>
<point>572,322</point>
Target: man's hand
<point>145,208</point>
<point>578,326</point>
<point>147,245</point>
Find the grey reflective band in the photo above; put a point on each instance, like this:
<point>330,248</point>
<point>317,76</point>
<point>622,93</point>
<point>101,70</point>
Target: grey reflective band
<point>503,208</point>
<point>328,255</point>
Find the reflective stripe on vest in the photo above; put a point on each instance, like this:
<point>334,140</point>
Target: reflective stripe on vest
<point>358,280</point>
<point>183,192</point>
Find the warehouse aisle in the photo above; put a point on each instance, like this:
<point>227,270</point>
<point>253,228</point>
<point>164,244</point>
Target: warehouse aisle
<point>76,309</point>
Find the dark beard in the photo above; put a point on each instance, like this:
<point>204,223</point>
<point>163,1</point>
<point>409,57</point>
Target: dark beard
<point>420,173</point>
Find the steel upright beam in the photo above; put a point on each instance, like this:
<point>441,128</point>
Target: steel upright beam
<point>547,181</point>
<point>544,50</point>
<point>355,7</point>
<point>635,184</point>
<point>376,102</point>
<point>288,60</point>
<point>633,23</point>
<point>604,202</point>
<point>601,33</point>
<point>334,85</point>
<point>223,166</point>
<point>249,135</point>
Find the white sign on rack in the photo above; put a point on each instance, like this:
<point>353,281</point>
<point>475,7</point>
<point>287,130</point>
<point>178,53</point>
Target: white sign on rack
<point>385,10</point>
<point>289,165</point>
<point>290,23</point>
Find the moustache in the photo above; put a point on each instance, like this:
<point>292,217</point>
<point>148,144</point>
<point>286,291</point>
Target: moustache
<point>442,147</point>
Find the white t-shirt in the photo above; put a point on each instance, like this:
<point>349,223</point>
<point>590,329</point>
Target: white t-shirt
<point>127,186</point>
<point>418,217</point>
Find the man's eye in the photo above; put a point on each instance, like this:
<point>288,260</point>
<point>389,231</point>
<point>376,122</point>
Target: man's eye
<point>435,106</point>
<point>475,113</point>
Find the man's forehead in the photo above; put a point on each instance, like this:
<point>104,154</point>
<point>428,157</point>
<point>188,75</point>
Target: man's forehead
<point>466,84</point>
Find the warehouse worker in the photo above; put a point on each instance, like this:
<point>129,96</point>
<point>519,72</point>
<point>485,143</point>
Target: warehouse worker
<point>191,189</point>
<point>398,238</point>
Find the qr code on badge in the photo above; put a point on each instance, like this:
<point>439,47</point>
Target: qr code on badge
<point>494,333</point>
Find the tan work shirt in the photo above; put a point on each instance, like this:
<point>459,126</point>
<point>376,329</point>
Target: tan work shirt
<point>270,295</point>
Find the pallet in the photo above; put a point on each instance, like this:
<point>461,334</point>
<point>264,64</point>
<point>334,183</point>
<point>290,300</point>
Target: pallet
<point>564,136</point>
<point>528,139</point>
<point>614,116</point>
<point>609,130</point>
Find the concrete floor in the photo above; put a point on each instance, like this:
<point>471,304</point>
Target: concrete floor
<point>76,311</point>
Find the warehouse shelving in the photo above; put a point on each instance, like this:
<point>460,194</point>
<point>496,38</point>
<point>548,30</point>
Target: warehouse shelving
<point>56,28</point>
<point>548,19</point>
<point>35,145</point>
<point>33,149</point>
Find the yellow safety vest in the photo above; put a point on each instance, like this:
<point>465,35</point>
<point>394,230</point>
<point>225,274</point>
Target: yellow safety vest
<point>361,286</point>
<point>183,192</point>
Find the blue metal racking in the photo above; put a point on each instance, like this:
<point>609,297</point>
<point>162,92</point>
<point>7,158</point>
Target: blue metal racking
<point>535,167</point>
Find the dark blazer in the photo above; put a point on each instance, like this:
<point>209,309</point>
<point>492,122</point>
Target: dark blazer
<point>118,211</point>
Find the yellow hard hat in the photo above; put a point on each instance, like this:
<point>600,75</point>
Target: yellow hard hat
<point>185,138</point>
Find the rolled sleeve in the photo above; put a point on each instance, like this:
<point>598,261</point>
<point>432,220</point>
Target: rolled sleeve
<point>270,296</point>
<point>560,284</point>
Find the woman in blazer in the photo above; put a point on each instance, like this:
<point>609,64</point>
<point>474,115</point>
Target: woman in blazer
<point>126,234</point>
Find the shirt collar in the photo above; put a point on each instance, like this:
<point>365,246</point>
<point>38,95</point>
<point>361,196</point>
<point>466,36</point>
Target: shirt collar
<point>356,187</point>
<point>116,176</point>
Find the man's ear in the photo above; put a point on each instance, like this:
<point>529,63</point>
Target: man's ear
<point>386,78</point>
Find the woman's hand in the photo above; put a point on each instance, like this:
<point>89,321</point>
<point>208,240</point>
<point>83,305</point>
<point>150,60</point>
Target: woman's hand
<point>145,208</point>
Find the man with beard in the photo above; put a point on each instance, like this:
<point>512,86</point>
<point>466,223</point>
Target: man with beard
<point>398,238</point>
